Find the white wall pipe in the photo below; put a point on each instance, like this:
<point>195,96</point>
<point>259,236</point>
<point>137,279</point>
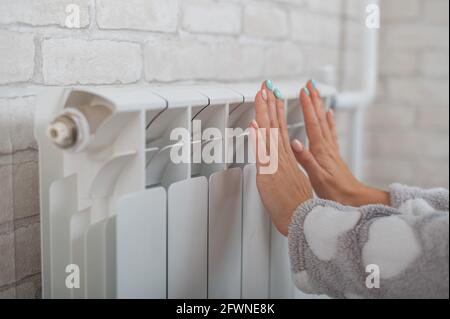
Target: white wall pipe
<point>357,101</point>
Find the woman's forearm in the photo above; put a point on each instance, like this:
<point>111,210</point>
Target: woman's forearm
<point>368,196</point>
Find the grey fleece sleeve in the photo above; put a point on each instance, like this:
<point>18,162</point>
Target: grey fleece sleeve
<point>373,251</point>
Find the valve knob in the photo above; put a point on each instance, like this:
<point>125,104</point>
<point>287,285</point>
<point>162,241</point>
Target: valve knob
<point>63,132</point>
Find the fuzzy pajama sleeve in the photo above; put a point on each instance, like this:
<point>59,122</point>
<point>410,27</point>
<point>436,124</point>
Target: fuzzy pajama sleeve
<point>340,251</point>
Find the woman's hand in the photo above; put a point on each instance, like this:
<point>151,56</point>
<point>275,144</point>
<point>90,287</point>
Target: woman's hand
<point>329,175</point>
<point>285,188</point>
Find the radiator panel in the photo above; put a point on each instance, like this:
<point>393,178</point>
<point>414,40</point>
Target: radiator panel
<point>225,234</point>
<point>141,271</point>
<point>255,241</point>
<point>187,239</point>
<point>62,207</point>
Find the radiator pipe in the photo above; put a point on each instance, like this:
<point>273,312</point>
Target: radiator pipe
<point>357,101</point>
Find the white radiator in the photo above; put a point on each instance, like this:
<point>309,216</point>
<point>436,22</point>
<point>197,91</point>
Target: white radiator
<point>121,217</point>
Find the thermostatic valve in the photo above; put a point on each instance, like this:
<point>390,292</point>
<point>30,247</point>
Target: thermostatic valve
<point>70,130</point>
<point>63,131</point>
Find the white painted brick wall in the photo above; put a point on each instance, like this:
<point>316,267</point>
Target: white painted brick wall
<point>399,10</point>
<point>418,91</point>
<point>201,60</point>
<point>293,56</point>
<point>399,63</point>
<point>313,28</point>
<point>399,117</point>
<point>408,130</point>
<point>69,61</point>
<point>266,20</point>
<point>200,16</point>
<point>436,11</point>
<point>41,12</point>
<point>154,15</point>
<point>435,119</point>
<point>333,7</point>
<point>413,36</point>
<point>435,64</point>
<point>17,57</point>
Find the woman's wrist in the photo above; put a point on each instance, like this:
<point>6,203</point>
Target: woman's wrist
<point>365,195</point>
<point>306,195</point>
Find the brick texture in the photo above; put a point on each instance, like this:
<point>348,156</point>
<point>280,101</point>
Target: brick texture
<point>42,12</point>
<point>409,144</point>
<point>17,57</point>
<point>70,61</point>
<point>151,15</point>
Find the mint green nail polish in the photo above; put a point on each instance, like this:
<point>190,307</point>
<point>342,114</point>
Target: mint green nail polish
<point>314,83</point>
<point>269,85</point>
<point>277,94</point>
<point>307,91</point>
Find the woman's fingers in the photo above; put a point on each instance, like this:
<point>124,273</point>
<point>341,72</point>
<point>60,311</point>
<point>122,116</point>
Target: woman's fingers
<point>272,104</point>
<point>266,109</point>
<point>306,159</point>
<point>284,135</point>
<point>262,109</point>
<point>262,113</point>
<point>311,121</point>
<point>332,126</point>
<point>320,110</point>
<point>259,143</point>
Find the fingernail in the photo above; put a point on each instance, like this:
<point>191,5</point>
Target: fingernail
<point>297,146</point>
<point>264,94</point>
<point>269,85</point>
<point>254,124</point>
<point>314,84</point>
<point>277,94</point>
<point>307,91</point>
<point>331,112</point>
